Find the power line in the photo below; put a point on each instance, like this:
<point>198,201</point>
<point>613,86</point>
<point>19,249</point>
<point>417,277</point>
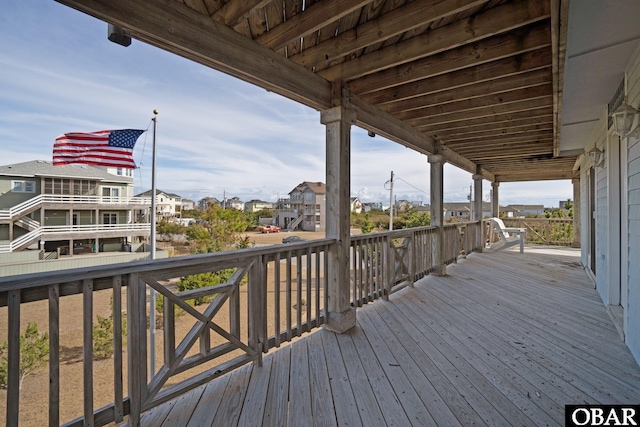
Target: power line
<point>410,185</point>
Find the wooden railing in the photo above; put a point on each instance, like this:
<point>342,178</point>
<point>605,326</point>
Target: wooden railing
<point>544,231</point>
<point>271,295</point>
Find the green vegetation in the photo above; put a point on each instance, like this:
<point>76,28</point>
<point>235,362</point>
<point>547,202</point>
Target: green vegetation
<point>34,349</point>
<point>377,220</point>
<point>103,335</point>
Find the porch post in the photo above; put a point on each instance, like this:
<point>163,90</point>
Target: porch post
<point>477,207</point>
<point>495,200</point>
<point>437,211</point>
<point>576,212</point>
<point>338,120</point>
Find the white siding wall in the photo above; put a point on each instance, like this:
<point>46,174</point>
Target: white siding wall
<point>602,242</point>
<point>584,213</point>
<point>633,182</point>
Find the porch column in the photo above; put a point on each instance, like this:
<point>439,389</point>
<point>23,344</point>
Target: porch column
<point>477,205</point>
<point>338,120</point>
<point>437,211</point>
<point>495,200</point>
<point>576,212</point>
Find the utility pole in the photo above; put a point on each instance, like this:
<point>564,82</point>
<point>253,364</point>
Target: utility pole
<point>391,203</point>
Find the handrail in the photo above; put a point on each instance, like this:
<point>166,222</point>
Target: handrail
<point>85,228</point>
<point>271,295</point>
<point>40,199</point>
<point>546,231</point>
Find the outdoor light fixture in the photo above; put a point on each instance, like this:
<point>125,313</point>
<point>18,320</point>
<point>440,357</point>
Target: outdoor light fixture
<point>623,118</point>
<point>596,157</point>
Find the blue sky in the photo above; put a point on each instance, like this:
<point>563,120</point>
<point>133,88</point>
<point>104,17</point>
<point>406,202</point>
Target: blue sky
<point>59,73</point>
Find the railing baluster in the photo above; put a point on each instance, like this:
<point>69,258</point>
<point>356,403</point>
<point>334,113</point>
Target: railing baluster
<point>299,293</point>
<point>87,353</point>
<point>169,330</point>
<point>288,296</point>
<point>137,347</point>
<point>307,306</point>
<point>276,297</point>
<point>13,359</point>
<point>118,410</point>
<point>317,285</point>
<point>54,355</point>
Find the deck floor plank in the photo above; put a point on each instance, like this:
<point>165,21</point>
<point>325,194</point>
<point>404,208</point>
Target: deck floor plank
<point>388,402</point>
<point>322,409</point>
<point>503,339</point>
<point>277,404</point>
<point>228,413</point>
<point>300,386</point>
<point>343,399</point>
<point>256,397</point>
<point>366,402</point>
<point>507,382</point>
<point>588,369</point>
<point>209,403</point>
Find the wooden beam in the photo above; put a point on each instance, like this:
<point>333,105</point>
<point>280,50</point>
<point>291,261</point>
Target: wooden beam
<point>541,115</point>
<point>494,48</point>
<point>235,10</point>
<point>513,107</point>
<point>494,134</point>
<point>499,99</point>
<point>377,121</point>
<point>500,139</point>
<point>174,27</point>
<point>391,24</point>
<point>491,128</point>
<point>316,16</point>
<point>491,22</point>
<point>482,89</point>
<point>511,66</point>
<point>542,176</point>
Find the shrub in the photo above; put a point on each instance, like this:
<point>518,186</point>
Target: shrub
<point>34,349</point>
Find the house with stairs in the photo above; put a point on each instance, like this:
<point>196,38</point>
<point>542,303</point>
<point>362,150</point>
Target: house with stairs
<point>67,210</point>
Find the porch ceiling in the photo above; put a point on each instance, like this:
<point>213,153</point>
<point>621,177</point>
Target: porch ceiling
<point>476,80</point>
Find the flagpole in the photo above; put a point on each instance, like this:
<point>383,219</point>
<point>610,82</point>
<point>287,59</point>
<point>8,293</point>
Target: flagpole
<point>152,293</point>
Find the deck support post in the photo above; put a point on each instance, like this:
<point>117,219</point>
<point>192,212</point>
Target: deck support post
<point>495,200</point>
<point>341,316</point>
<point>576,212</point>
<point>437,211</point>
<point>477,202</point>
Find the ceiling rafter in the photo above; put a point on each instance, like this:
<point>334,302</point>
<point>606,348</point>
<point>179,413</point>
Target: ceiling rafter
<point>512,66</point>
<point>313,18</point>
<point>493,133</point>
<point>235,10</point>
<point>491,87</point>
<point>541,113</point>
<point>487,50</point>
<point>391,24</point>
<point>465,105</point>
<point>487,24</point>
<point>457,116</point>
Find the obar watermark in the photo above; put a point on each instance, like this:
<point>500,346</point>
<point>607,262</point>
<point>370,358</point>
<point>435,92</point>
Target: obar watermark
<point>601,415</point>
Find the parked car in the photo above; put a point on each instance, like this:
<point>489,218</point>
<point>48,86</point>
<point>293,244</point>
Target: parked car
<point>269,229</point>
<point>293,239</point>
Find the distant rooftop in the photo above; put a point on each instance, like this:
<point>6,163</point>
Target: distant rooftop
<point>44,168</point>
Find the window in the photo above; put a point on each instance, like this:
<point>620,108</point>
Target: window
<point>110,218</point>
<point>119,172</point>
<point>111,191</point>
<point>23,186</point>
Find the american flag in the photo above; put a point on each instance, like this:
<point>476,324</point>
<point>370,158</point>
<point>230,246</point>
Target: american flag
<point>112,148</point>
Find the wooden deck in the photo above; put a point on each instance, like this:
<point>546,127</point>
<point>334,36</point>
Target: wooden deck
<point>503,339</point>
